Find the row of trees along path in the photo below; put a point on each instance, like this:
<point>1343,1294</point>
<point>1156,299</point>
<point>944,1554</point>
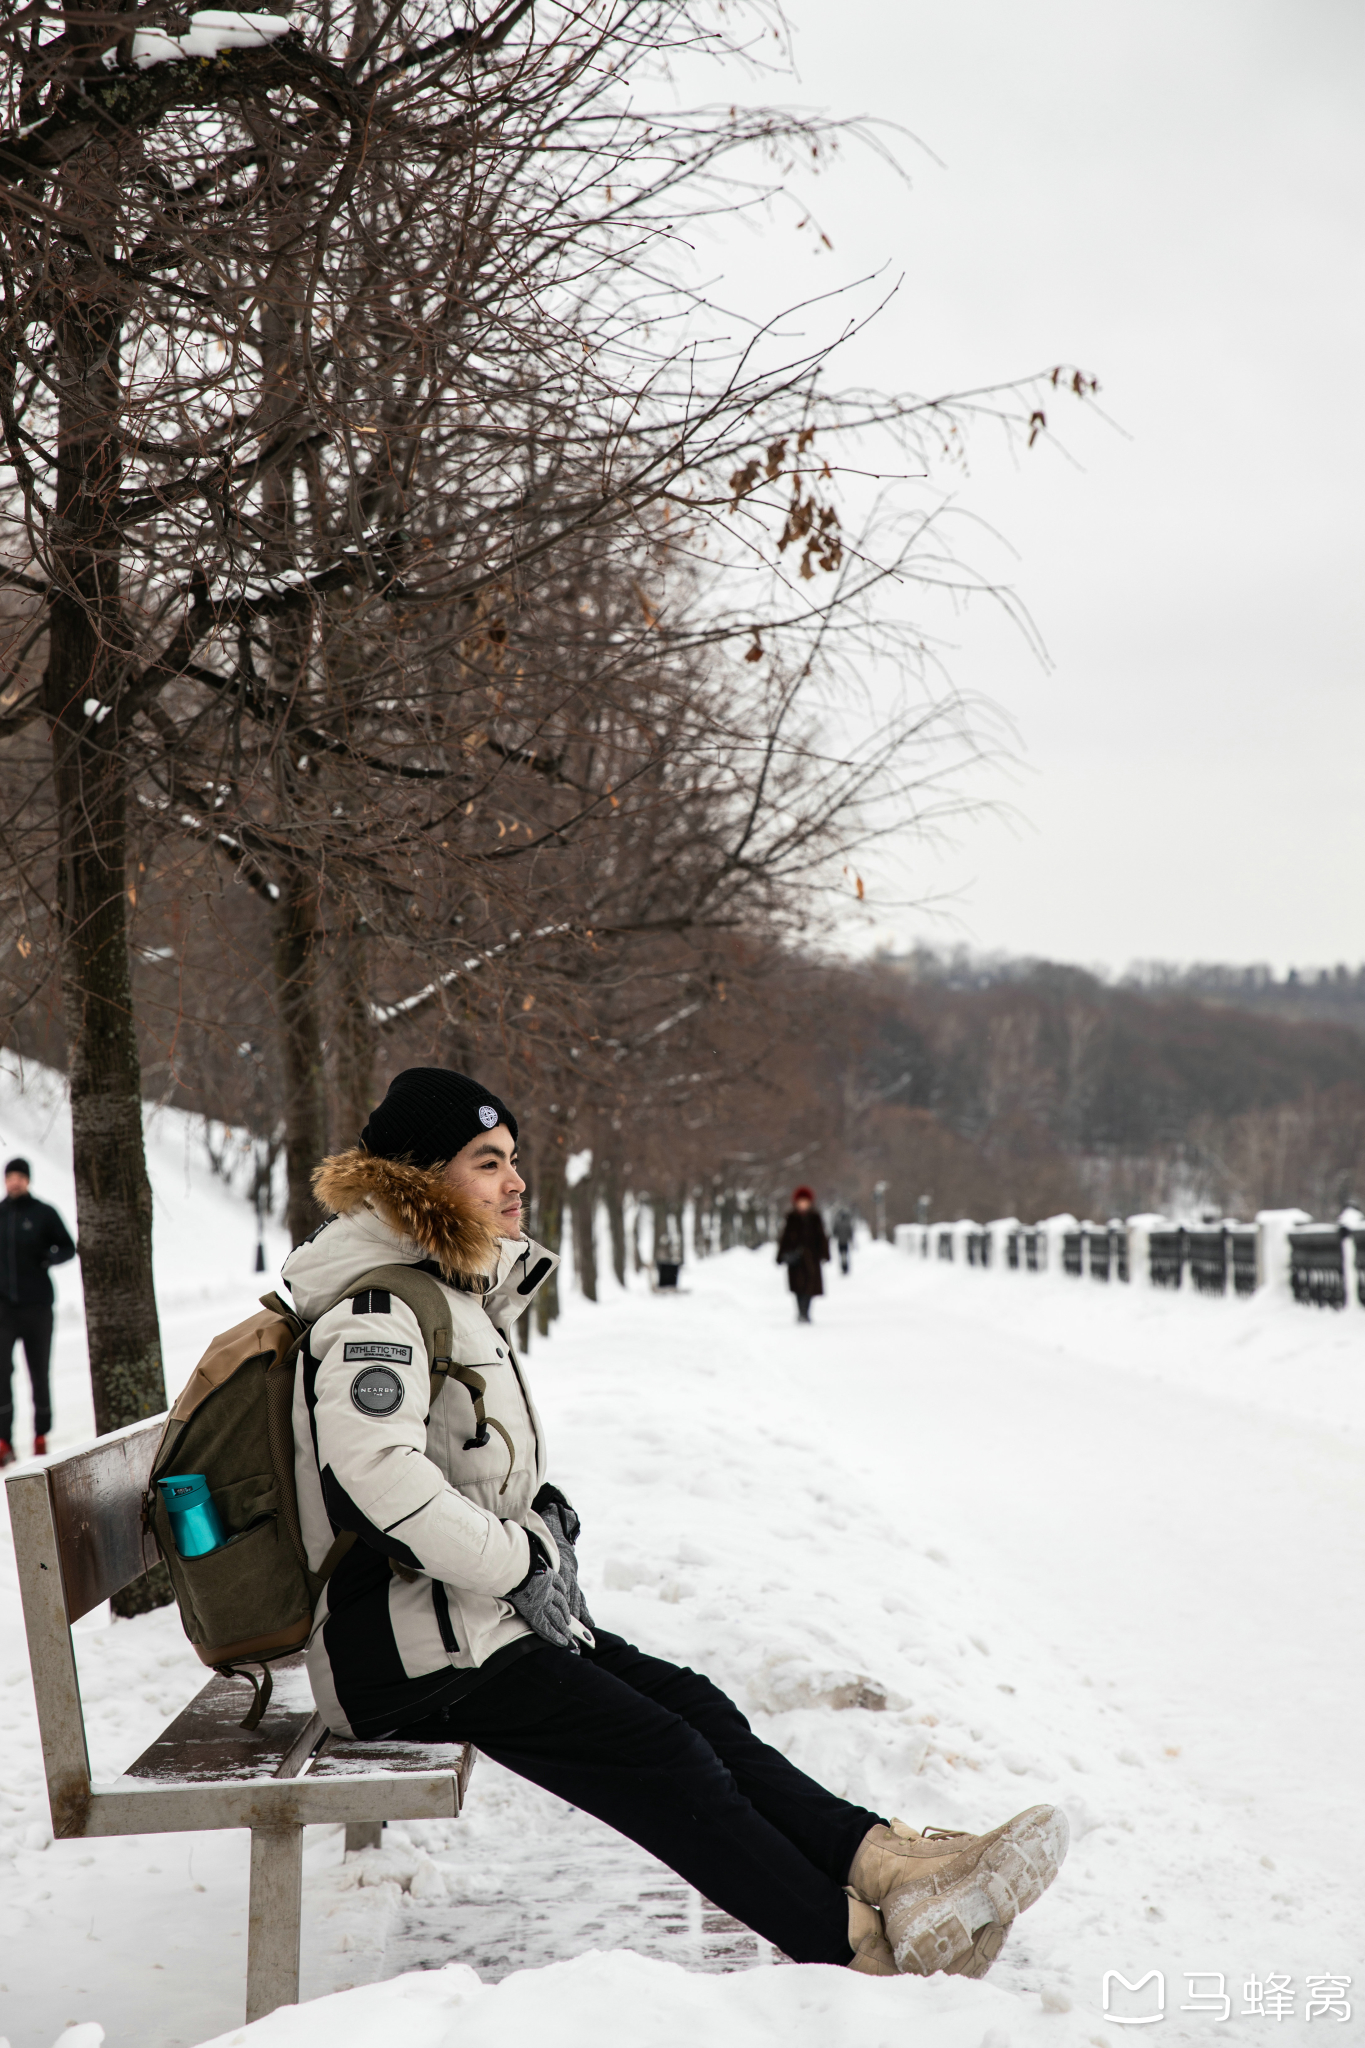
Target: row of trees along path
<point>390,524</point>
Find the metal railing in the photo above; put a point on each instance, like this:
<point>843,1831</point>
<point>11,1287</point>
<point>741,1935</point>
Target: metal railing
<point>1320,1265</point>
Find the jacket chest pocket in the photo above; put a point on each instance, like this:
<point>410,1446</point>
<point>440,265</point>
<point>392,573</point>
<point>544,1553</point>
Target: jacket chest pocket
<point>472,1426</point>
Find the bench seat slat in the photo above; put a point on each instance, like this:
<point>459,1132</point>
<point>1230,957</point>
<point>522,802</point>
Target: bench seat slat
<point>205,1743</point>
<point>353,1759</point>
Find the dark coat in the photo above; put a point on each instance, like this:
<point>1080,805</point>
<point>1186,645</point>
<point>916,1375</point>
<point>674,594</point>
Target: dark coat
<point>804,1232</point>
<point>32,1238</point>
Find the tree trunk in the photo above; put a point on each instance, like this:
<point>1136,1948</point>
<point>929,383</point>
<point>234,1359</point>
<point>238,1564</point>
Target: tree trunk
<point>614,1197</point>
<point>295,939</point>
<point>296,936</point>
<point>81,693</point>
<point>352,1036</point>
<point>524,1328</point>
<point>583,1209</point>
<point>659,1241</point>
<point>549,1225</point>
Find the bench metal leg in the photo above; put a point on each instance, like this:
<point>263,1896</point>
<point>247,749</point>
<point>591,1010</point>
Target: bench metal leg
<point>272,1942</point>
<point>364,1834</point>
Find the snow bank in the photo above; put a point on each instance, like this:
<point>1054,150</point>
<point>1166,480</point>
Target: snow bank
<point>602,1998</point>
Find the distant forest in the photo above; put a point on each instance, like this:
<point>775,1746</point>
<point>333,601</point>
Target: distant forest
<point>993,1088</point>
<point>1020,1087</point>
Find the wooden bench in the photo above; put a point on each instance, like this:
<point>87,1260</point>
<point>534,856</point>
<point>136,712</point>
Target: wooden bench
<point>78,1538</point>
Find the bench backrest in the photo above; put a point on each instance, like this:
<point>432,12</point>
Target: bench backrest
<point>78,1538</point>
<point>97,1497</point>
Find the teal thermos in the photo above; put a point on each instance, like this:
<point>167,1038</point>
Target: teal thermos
<point>196,1523</point>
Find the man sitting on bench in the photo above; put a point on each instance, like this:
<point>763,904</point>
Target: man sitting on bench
<point>458,1615</point>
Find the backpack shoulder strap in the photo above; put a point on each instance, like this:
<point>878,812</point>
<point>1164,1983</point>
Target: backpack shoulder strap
<point>425,1297</point>
<point>419,1292</point>
<point>279,1422</point>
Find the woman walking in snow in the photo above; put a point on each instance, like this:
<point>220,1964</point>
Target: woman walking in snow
<point>803,1248</point>
<point>457,1615</point>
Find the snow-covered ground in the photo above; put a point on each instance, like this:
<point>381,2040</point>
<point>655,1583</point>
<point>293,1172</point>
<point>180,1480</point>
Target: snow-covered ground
<point>972,1541</point>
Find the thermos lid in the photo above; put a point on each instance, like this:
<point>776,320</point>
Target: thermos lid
<point>183,1490</point>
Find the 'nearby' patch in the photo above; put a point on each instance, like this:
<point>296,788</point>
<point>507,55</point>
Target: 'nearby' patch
<point>385,1354</point>
<point>377,1391</point>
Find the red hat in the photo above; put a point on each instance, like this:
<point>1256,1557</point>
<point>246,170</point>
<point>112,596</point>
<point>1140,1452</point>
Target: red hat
<point>803,1194</point>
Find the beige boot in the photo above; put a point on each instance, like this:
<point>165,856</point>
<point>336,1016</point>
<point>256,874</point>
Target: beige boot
<point>947,1899</point>
<point>867,1939</point>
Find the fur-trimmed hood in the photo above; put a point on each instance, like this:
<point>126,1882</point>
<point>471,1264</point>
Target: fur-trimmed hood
<point>416,1204</point>
<point>385,1213</point>
<point>382,1212</point>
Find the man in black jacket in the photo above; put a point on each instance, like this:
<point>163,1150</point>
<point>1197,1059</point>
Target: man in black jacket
<point>33,1237</point>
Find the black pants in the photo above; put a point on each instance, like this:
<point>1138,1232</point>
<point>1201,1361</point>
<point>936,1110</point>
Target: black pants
<point>31,1321</point>
<point>843,1258</point>
<point>803,1302</point>
<point>662,1755</point>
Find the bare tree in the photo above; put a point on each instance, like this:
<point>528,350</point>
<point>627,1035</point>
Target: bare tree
<point>373,486</point>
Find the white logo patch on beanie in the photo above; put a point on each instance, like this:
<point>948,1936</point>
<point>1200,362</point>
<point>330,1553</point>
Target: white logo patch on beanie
<point>488,1116</point>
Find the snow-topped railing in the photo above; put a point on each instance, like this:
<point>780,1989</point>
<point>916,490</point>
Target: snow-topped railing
<point>1282,1253</point>
<point>999,1235</point>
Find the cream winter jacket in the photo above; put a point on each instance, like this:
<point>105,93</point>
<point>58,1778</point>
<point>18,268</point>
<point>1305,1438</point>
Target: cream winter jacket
<point>443,1519</point>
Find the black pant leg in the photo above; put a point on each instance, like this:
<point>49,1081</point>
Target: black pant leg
<point>36,1327</point>
<point>9,1336</point>
<point>825,1828</point>
<point>571,1725</point>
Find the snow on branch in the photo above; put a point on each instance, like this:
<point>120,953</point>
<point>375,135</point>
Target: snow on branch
<point>245,862</point>
<point>622,1050</point>
<point>210,31</point>
<point>384,1015</point>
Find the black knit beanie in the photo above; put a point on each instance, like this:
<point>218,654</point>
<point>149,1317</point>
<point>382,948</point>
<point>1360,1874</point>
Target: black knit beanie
<point>430,1114</point>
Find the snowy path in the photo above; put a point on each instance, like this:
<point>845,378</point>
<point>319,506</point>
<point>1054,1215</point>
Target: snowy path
<point>970,1542</point>
<point>1202,1554</point>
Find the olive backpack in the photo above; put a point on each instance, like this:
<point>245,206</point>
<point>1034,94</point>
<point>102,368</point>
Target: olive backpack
<point>251,1601</point>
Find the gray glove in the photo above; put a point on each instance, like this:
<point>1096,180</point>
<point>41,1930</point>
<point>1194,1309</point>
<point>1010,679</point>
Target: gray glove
<point>555,1519</point>
<point>542,1599</point>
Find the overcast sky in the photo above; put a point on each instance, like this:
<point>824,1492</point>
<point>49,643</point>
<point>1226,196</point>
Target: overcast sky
<point>1170,195</point>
